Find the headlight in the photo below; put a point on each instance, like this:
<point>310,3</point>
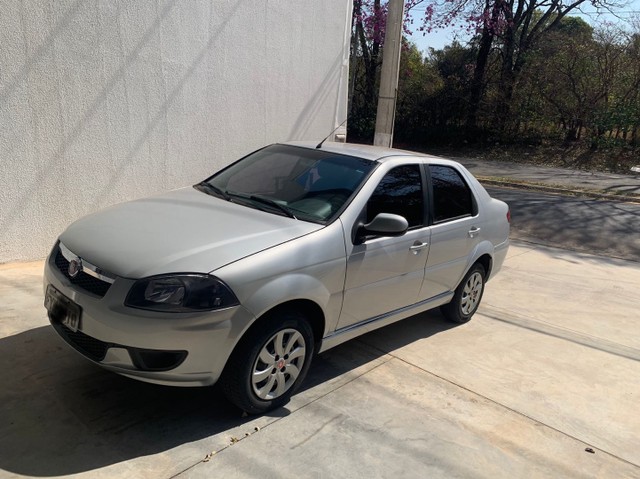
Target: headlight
<point>181,293</point>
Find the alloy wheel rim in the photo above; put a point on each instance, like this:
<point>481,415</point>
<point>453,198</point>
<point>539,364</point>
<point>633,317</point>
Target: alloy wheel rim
<point>471,294</point>
<point>278,365</point>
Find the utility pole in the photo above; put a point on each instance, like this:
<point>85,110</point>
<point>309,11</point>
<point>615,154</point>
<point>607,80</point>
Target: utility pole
<point>386,114</point>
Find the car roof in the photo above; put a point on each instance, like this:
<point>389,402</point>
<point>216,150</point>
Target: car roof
<point>368,152</point>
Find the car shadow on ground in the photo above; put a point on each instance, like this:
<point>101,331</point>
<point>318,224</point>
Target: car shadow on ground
<point>60,414</point>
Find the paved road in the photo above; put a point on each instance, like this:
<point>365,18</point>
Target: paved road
<point>567,177</point>
<point>608,228</point>
<point>536,385</point>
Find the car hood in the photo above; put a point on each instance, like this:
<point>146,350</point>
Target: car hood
<point>180,231</point>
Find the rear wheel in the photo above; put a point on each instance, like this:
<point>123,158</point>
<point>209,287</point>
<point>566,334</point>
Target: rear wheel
<point>467,296</point>
<point>269,363</point>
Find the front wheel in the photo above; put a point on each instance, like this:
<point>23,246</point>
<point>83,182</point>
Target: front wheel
<point>467,297</point>
<point>269,363</point>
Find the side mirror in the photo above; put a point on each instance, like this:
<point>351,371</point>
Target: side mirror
<point>384,224</point>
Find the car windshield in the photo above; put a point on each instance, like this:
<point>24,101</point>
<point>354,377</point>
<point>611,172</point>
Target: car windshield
<point>306,184</point>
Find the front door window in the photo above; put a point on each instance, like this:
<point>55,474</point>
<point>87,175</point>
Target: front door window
<point>384,273</point>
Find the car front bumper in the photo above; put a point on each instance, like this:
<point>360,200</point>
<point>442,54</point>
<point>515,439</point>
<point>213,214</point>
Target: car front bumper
<point>187,349</point>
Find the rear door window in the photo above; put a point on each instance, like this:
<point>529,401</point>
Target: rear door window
<point>452,197</point>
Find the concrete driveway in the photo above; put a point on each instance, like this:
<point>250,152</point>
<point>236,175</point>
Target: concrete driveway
<point>543,382</point>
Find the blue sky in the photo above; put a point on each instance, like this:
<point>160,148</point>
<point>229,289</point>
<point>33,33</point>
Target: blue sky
<point>444,37</point>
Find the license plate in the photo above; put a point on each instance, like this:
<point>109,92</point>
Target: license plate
<point>61,309</point>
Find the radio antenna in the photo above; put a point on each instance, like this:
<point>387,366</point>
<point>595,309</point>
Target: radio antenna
<point>325,139</point>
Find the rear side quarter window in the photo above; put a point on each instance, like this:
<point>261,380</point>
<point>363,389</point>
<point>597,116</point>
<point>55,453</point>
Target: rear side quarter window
<point>452,197</point>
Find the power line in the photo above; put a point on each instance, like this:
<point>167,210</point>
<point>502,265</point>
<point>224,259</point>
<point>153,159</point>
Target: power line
<point>596,12</point>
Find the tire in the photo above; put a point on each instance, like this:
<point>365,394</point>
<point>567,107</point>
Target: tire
<point>269,363</point>
<point>467,296</point>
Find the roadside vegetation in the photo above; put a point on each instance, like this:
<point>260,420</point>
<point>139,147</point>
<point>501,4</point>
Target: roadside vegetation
<point>534,84</point>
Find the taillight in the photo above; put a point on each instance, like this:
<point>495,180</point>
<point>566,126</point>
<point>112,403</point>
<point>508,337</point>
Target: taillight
<point>509,216</point>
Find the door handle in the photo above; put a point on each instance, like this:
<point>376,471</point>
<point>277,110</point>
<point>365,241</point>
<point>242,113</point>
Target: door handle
<point>417,246</point>
<point>474,230</point>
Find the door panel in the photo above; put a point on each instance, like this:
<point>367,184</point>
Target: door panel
<point>456,233</point>
<point>448,255</point>
<point>384,274</point>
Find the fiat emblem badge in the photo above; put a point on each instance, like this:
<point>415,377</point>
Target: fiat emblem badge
<point>75,266</point>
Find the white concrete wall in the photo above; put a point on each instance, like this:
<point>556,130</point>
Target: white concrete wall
<point>103,101</point>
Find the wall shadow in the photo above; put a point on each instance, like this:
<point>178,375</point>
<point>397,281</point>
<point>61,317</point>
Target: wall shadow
<point>25,198</point>
<point>308,114</point>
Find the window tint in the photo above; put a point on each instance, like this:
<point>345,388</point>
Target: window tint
<point>400,193</point>
<point>451,195</point>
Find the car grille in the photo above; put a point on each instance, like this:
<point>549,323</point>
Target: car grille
<point>91,347</point>
<point>143,359</point>
<point>83,280</point>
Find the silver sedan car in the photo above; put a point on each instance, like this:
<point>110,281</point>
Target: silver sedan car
<point>285,253</point>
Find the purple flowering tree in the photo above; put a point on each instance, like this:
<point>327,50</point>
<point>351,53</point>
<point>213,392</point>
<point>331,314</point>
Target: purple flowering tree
<point>512,27</point>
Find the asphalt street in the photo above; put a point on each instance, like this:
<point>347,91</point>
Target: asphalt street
<point>569,178</point>
<point>608,228</point>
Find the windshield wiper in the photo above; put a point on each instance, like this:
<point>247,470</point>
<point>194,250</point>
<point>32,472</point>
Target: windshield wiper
<point>264,200</point>
<point>269,201</point>
<point>209,187</point>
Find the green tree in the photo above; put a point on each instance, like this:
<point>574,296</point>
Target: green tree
<point>418,83</point>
